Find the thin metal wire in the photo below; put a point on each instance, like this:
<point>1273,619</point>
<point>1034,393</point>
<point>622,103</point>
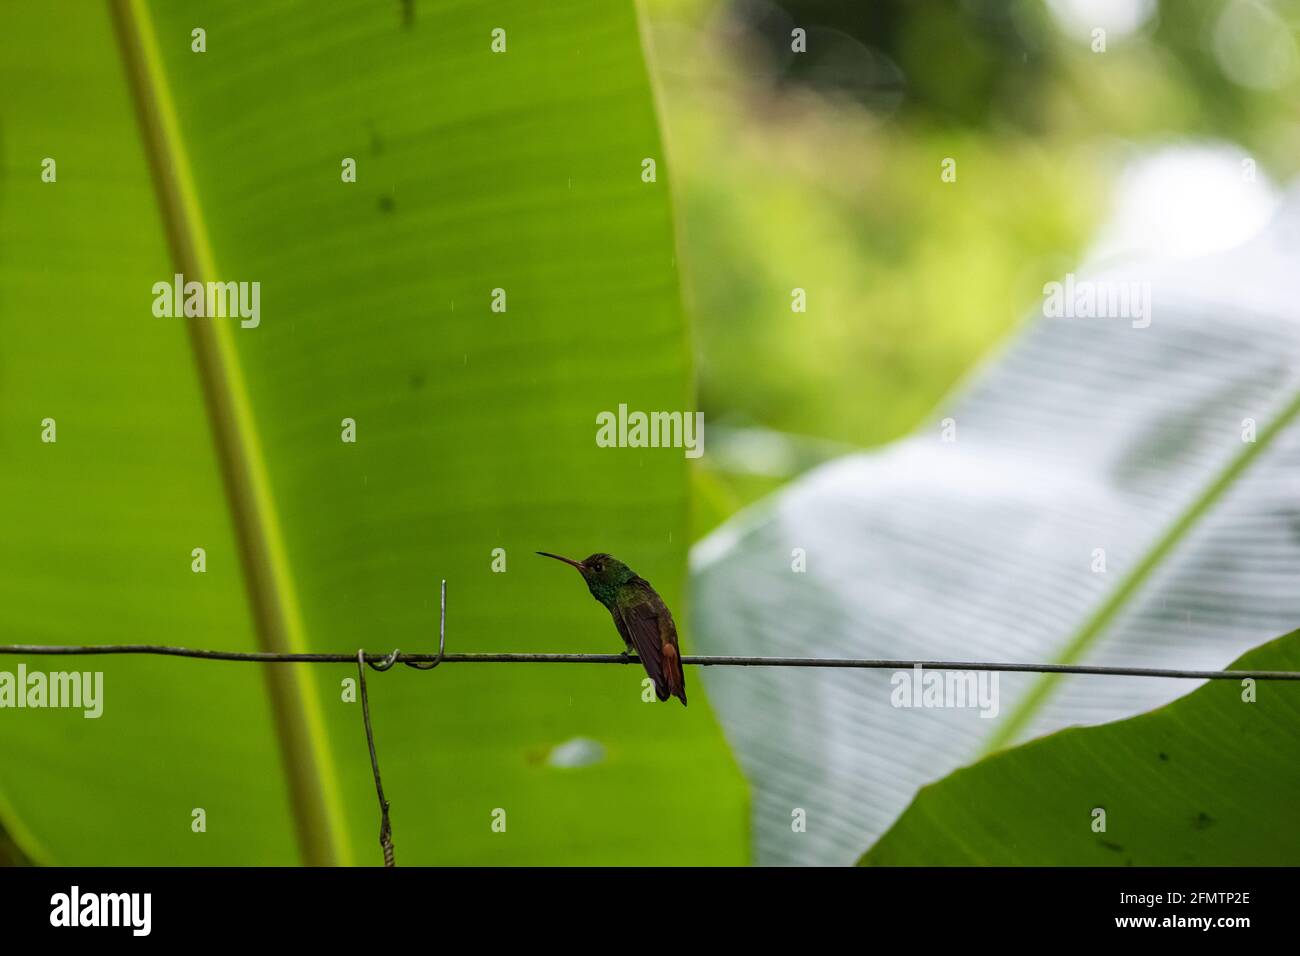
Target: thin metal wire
<point>387,660</point>
<point>382,662</point>
<point>385,828</point>
<point>421,665</point>
<point>442,636</point>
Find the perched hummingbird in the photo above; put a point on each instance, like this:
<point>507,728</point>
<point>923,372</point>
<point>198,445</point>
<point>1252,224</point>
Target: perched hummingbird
<point>642,618</point>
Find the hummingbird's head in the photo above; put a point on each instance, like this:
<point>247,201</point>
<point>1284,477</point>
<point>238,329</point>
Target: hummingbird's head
<point>603,573</point>
<point>606,569</point>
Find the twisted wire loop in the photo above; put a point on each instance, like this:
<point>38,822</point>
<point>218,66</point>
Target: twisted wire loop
<point>387,662</point>
<point>442,636</point>
<point>391,659</point>
<point>385,827</point>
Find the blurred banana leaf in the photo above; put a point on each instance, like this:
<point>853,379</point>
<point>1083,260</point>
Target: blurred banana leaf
<point>1212,779</point>
<point>1113,493</point>
<point>475,429</point>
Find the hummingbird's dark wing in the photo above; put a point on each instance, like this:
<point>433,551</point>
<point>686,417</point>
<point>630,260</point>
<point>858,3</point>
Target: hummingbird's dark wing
<point>645,622</point>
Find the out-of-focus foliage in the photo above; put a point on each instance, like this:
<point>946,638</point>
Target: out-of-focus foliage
<point>1113,494</point>
<point>821,171</point>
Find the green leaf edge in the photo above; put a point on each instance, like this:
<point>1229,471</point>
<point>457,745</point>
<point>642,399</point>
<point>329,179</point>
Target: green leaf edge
<point>1287,642</point>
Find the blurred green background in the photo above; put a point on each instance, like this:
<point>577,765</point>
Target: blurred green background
<point>821,171</point>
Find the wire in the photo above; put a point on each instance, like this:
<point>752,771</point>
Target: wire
<point>385,828</point>
<point>383,662</point>
<point>265,657</point>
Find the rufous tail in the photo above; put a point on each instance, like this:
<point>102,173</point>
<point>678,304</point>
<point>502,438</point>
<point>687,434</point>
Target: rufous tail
<point>673,675</point>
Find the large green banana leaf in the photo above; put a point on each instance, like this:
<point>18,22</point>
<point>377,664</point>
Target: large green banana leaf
<point>1210,779</point>
<point>475,430</point>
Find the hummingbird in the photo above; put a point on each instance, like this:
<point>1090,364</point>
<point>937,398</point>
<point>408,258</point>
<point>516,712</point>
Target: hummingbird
<point>641,616</point>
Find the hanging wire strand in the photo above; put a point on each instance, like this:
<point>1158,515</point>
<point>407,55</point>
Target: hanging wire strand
<point>385,827</point>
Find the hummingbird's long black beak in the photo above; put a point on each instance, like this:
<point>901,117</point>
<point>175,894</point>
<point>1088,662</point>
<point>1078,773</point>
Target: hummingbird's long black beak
<point>576,564</point>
